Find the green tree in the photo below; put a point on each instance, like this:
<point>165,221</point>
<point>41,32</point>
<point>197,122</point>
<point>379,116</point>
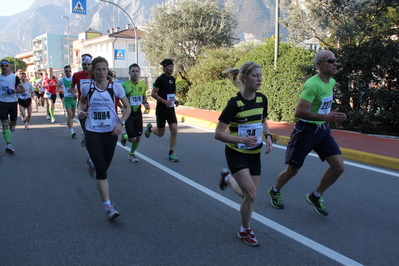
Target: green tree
<point>212,63</point>
<point>339,22</point>
<point>368,86</point>
<point>282,86</point>
<point>181,31</point>
<point>16,64</point>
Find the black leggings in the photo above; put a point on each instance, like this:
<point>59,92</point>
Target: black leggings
<point>101,148</point>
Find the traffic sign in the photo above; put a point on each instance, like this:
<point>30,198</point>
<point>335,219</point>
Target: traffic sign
<point>78,6</point>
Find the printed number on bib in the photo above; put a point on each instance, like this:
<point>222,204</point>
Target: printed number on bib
<point>4,89</point>
<point>136,100</point>
<point>325,106</point>
<point>247,130</point>
<point>171,97</point>
<point>100,117</point>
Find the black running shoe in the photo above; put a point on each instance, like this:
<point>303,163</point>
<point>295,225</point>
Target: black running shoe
<point>222,181</point>
<point>318,204</point>
<point>277,199</point>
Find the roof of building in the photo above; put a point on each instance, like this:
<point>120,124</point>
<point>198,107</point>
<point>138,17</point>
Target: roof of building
<point>127,33</point>
<point>92,31</point>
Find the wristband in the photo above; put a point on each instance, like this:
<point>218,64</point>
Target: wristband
<point>269,135</point>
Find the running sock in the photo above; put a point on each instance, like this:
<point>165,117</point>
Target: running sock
<point>52,112</point>
<point>170,152</point>
<point>316,194</point>
<point>134,147</point>
<point>275,189</point>
<point>125,136</point>
<point>108,202</point>
<point>242,229</point>
<point>7,136</point>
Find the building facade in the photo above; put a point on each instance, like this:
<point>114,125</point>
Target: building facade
<point>52,50</point>
<point>28,59</point>
<point>118,46</point>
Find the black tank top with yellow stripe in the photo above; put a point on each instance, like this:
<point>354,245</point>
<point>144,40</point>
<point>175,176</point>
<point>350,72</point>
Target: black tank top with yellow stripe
<point>244,118</point>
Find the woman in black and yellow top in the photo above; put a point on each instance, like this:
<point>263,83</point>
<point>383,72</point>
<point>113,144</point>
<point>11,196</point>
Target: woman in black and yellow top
<point>245,115</point>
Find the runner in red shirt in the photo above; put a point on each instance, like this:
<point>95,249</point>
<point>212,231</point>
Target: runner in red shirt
<point>50,83</point>
<point>78,80</point>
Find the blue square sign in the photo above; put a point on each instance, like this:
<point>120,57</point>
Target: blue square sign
<point>78,6</point>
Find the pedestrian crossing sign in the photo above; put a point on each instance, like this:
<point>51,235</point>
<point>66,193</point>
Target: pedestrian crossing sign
<point>119,54</point>
<point>78,6</point>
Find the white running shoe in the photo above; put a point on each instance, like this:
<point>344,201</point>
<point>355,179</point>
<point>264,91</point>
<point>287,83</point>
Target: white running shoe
<point>111,212</point>
<point>9,149</point>
<point>133,158</point>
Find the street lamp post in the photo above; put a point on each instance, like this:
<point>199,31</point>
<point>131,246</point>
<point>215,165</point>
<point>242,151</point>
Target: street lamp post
<point>65,17</point>
<point>134,26</point>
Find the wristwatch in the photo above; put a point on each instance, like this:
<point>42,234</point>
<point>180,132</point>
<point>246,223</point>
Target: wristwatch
<point>122,122</point>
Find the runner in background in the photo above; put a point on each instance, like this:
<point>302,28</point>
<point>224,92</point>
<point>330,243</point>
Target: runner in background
<point>69,99</point>
<point>135,90</point>
<point>33,81</point>
<point>60,91</point>
<point>79,79</point>
<point>10,84</point>
<point>25,100</point>
<point>164,92</point>
<point>50,83</point>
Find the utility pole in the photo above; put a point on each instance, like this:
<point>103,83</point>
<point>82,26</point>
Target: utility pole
<point>277,34</point>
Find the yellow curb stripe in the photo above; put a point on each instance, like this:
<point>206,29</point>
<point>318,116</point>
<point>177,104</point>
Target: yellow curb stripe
<point>372,159</point>
<point>358,156</point>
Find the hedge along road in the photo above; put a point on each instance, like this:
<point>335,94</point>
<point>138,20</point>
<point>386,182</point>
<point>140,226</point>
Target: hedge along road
<point>174,213</point>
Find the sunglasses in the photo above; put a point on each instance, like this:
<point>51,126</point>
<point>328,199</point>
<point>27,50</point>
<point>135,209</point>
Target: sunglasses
<point>5,65</point>
<point>329,60</point>
<point>68,70</point>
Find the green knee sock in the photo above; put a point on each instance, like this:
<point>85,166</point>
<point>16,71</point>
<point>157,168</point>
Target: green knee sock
<point>7,136</point>
<point>52,112</point>
<point>134,147</point>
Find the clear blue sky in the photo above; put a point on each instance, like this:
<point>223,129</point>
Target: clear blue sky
<point>11,7</point>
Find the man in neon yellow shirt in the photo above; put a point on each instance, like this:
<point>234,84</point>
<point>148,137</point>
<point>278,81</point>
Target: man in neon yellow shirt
<point>135,90</point>
<point>312,133</point>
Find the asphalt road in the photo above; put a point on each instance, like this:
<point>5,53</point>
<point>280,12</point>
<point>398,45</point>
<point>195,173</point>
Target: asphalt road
<point>175,213</point>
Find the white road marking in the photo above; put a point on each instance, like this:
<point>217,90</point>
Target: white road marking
<point>269,223</point>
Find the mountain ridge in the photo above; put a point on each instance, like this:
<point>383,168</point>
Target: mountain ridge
<point>255,20</point>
